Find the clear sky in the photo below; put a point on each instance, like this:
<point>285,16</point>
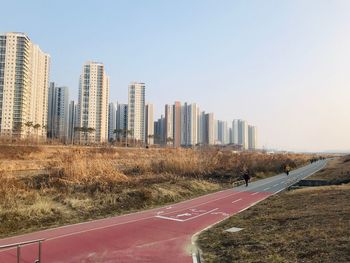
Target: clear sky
<point>282,65</point>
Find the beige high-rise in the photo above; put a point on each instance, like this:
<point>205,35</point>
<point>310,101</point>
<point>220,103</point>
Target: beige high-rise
<point>169,125</point>
<point>177,123</point>
<point>24,80</point>
<point>93,103</point>
<point>136,111</point>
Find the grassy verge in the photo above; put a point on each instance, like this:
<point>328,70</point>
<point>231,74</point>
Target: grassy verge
<point>336,169</point>
<point>76,184</point>
<point>304,225</point>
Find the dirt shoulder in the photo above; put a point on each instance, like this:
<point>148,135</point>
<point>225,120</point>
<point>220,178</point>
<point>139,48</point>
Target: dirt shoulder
<point>304,225</point>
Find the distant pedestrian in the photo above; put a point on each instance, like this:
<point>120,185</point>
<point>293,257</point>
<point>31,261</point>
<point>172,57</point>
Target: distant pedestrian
<point>246,177</point>
<point>287,169</point>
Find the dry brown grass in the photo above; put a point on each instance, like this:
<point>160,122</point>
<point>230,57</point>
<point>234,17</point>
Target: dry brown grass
<point>306,225</point>
<point>74,184</point>
<point>337,169</point>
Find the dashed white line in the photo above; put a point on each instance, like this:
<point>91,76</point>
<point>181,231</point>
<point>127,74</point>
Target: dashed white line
<point>275,185</point>
<point>254,193</point>
<point>237,200</point>
<point>267,188</point>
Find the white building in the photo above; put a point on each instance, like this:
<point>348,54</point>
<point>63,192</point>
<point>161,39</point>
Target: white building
<point>24,81</point>
<point>149,124</point>
<point>136,111</point>
<point>57,123</point>
<point>93,103</point>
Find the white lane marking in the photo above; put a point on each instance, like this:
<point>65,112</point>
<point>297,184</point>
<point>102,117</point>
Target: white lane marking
<point>210,201</point>
<point>93,229</point>
<point>254,193</point>
<point>185,214</point>
<point>194,210</point>
<point>267,188</point>
<point>236,200</point>
<point>170,218</point>
<point>274,185</point>
<point>201,214</point>
<point>220,213</point>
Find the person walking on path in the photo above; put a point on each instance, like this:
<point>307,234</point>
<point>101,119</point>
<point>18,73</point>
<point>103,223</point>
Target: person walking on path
<point>246,176</point>
<point>287,169</point>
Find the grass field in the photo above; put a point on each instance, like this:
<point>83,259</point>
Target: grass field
<point>303,225</point>
<point>336,169</point>
<point>74,184</point>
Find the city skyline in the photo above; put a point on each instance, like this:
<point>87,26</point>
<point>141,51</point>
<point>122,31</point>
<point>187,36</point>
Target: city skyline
<point>227,64</point>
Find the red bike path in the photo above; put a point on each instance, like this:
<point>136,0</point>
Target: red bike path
<point>158,235</point>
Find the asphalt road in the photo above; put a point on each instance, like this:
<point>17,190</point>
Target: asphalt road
<point>157,235</point>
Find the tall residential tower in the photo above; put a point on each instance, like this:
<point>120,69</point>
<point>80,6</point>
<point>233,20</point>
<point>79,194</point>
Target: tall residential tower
<point>136,111</point>
<point>24,81</point>
<point>149,124</point>
<point>93,103</point>
<point>57,123</point>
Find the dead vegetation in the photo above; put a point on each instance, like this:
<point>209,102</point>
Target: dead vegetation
<point>73,184</point>
<point>337,170</point>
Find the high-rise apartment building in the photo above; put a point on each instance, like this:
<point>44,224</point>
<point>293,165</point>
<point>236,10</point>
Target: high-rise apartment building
<point>177,123</point>
<point>24,81</point>
<point>93,103</point>
<point>243,134</point>
<point>234,132</point>
<point>149,124</point>
<point>253,137</point>
<point>209,129</point>
<point>72,119</point>
<point>122,117</point>
<point>169,125</point>
<point>112,121</point>
<point>57,122</point>
<point>189,124</point>
<point>159,130</point>
<point>136,111</point>
<point>201,128</point>
<point>222,131</point>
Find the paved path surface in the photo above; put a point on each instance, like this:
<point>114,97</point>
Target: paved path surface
<point>158,235</point>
